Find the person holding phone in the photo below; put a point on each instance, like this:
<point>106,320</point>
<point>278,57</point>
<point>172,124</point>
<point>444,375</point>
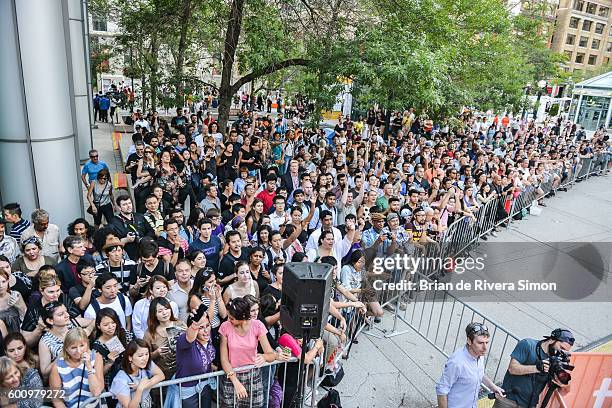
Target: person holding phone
<point>78,371</point>
<point>132,385</point>
<point>195,354</point>
<point>240,336</point>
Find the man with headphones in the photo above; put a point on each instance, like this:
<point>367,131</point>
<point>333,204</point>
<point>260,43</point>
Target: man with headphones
<point>527,373</point>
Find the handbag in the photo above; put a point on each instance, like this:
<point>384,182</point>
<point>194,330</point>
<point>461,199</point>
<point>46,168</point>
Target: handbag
<point>331,400</point>
<point>333,379</point>
<point>97,202</point>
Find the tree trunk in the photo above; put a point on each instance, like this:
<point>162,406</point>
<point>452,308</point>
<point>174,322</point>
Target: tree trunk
<point>154,65</point>
<point>185,18</point>
<point>232,35</point>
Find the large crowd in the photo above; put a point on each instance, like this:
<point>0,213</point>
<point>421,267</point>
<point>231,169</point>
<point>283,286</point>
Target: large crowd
<point>183,275</point>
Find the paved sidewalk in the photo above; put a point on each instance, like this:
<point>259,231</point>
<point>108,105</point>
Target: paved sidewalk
<point>402,371</point>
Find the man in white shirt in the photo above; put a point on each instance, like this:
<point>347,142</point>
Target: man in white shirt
<point>330,205</point>
<point>110,297</point>
<point>326,225</point>
<point>279,216</point>
<point>141,122</point>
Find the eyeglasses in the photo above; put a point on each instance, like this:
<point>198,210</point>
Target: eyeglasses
<point>93,156</point>
<point>92,273</point>
<point>478,329</point>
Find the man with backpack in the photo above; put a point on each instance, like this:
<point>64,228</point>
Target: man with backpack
<point>111,297</point>
<point>104,105</point>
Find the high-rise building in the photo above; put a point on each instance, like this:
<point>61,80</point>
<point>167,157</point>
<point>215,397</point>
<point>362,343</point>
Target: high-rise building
<point>583,32</point>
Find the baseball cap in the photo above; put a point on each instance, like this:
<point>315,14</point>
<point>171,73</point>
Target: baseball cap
<point>406,213</point>
<point>562,335</point>
<point>392,216</point>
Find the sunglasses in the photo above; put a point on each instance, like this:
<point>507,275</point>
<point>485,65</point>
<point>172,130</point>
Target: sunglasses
<point>93,157</point>
<point>113,248</point>
<point>479,329</point>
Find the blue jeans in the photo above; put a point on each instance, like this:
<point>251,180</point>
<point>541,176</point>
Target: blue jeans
<point>205,398</point>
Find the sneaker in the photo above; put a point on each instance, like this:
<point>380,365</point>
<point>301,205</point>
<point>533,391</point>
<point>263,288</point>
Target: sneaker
<point>377,320</point>
<point>541,204</point>
<point>484,238</point>
<point>403,306</point>
<point>493,233</point>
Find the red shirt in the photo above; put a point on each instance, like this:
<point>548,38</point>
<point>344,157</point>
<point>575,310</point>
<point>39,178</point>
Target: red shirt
<point>267,198</point>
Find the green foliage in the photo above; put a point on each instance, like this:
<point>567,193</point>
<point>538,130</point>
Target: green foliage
<point>437,55</point>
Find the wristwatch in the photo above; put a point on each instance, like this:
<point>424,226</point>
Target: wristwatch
<point>92,371</point>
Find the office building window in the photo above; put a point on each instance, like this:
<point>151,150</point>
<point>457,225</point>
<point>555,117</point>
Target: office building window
<point>599,28</point>
<point>609,48</point>
<point>574,21</point>
<point>595,44</point>
<point>583,41</point>
<point>591,8</point>
<point>98,23</point>
<point>592,59</point>
<point>586,25</point>
<point>579,58</point>
<point>578,5</point>
<point>603,11</point>
<point>571,39</point>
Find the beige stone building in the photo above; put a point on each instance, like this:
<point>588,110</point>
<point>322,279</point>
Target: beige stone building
<point>583,32</point>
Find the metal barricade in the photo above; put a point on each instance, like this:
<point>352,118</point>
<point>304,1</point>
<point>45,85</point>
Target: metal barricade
<point>432,313</point>
<point>169,393</point>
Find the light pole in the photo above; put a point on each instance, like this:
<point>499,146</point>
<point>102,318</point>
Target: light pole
<point>541,85</point>
<point>527,89</point>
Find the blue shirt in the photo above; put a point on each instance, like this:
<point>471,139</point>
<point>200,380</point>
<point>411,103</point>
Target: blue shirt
<point>461,378</point>
<point>92,169</point>
<point>526,353</point>
<point>369,237</point>
<point>211,250</point>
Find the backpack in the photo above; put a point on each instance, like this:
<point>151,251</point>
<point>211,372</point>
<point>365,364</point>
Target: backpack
<point>270,258</point>
<point>104,103</point>
<point>96,305</point>
<point>331,400</point>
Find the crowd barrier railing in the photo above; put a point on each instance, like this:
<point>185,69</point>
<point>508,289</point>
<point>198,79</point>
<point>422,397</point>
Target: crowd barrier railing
<point>169,393</point>
<point>432,313</point>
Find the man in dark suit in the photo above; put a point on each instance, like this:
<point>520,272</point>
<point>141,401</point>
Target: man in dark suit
<point>291,178</point>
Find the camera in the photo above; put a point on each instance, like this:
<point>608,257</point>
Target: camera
<point>559,365</point>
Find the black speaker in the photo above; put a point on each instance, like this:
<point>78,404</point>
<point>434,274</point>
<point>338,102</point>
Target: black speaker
<point>305,298</point>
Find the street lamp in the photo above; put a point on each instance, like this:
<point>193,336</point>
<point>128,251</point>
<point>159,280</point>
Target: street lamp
<point>527,89</point>
<point>541,85</point>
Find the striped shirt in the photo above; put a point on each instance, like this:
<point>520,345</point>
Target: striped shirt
<point>18,228</point>
<point>75,381</point>
<point>122,272</point>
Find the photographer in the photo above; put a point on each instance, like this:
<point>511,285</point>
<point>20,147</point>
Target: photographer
<point>129,226</point>
<point>528,372</point>
<point>459,385</point>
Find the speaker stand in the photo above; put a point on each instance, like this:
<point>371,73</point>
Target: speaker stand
<point>298,400</point>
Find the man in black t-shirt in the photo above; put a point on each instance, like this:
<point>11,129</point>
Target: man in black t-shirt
<point>129,226</point>
<point>131,166</point>
<point>179,121</point>
<point>232,253</point>
<point>82,293</point>
<point>149,265</point>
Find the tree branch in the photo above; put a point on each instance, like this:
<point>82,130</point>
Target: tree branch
<point>268,70</point>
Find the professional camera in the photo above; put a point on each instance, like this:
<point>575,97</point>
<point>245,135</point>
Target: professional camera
<point>558,371</point>
<point>559,365</point>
